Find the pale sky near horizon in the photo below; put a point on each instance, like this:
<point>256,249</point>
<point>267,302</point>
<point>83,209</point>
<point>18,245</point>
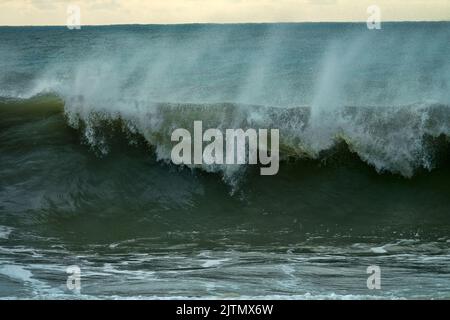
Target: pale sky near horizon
<point>100,12</point>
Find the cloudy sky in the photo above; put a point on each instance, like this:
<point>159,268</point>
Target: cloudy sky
<point>54,12</point>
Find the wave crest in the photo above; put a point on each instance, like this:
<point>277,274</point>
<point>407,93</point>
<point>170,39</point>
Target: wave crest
<point>391,139</point>
<point>396,139</point>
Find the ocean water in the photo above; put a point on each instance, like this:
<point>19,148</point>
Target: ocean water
<point>86,179</point>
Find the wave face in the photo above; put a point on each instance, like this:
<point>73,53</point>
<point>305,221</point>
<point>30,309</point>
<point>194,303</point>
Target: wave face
<point>85,174</point>
<point>401,139</point>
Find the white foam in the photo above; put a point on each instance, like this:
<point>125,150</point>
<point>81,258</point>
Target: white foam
<point>16,272</point>
<point>5,232</point>
<point>378,250</point>
<point>213,263</point>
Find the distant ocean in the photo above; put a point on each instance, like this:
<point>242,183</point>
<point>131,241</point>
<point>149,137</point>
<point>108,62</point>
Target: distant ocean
<point>86,178</point>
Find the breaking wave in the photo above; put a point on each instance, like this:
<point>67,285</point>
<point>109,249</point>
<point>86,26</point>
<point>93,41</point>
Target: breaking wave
<point>396,139</point>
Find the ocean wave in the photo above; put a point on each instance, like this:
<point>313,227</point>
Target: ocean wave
<point>396,139</point>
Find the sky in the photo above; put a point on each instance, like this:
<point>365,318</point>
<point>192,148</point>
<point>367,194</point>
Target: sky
<point>104,12</point>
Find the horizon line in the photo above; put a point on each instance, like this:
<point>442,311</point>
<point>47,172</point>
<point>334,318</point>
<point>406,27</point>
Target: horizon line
<point>223,23</point>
